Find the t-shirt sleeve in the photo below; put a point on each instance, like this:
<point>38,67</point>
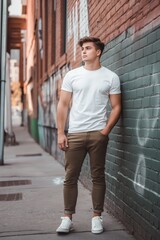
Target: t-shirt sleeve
<point>66,84</point>
<point>115,86</point>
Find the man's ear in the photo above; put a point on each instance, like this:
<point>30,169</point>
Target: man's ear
<point>98,52</point>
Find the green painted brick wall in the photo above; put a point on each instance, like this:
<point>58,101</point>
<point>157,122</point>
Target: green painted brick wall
<point>133,154</point>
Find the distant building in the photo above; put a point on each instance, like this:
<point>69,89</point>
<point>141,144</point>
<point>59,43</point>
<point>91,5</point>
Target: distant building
<point>14,70</point>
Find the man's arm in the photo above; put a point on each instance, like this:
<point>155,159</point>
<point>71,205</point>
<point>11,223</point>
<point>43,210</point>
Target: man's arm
<point>115,100</point>
<point>62,112</point>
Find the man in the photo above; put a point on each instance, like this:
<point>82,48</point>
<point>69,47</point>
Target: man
<point>90,87</point>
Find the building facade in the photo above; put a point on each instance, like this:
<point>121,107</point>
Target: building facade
<point>131,33</point>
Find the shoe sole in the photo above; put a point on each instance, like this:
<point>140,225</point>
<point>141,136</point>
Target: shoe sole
<point>64,230</point>
<point>97,231</point>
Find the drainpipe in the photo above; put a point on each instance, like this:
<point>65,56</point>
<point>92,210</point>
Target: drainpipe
<point>8,115</point>
<point>23,40</point>
<point>3,36</point>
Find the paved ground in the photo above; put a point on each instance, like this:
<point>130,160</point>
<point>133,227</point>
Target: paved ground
<point>31,201</point>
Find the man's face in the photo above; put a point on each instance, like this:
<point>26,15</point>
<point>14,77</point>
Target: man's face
<point>89,52</point>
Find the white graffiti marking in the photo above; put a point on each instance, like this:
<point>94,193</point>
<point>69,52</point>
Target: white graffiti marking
<point>72,23</point>
<point>156,85</point>
<point>84,26</point>
<point>75,29</point>
<point>140,175</point>
<point>149,119</point>
<point>144,187</point>
<point>141,116</point>
<point>150,124</point>
<point>58,180</point>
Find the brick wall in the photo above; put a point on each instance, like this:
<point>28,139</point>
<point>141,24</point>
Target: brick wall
<point>30,40</point>
<point>117,16</point>
<point>131,32</point>
<point>133,154</point>
<point>132,161</point>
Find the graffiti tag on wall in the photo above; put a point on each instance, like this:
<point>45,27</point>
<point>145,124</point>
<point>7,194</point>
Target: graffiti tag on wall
<point>48,98</point>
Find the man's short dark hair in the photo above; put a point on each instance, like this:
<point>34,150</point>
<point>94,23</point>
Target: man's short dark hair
<point>97,42</point>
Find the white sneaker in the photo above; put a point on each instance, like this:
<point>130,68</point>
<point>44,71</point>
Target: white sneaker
<point>66,225</point>
<point>97,224</point>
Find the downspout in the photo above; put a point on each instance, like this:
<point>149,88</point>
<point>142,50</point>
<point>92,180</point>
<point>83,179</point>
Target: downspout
<point>8,115</point>
<point>3,37</point>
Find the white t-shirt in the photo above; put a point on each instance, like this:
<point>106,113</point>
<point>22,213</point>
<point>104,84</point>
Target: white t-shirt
<point>91,90</point>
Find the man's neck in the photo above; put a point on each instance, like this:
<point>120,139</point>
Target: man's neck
<point>92,66</point>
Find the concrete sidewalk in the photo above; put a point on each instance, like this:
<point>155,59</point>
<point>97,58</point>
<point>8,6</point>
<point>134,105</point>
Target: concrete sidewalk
<point>31,200</point>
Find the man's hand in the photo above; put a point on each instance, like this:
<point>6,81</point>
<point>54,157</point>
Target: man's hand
<point>62,141</point>
<point>103,132</point>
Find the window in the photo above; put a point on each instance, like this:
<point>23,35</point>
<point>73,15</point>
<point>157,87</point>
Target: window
<point>63,25</point>
<point>53,40</point>
<point>46,5</point>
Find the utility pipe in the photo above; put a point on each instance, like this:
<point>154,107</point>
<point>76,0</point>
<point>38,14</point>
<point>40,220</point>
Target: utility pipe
<point>3,37</point>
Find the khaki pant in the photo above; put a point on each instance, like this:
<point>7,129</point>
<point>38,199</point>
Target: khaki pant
<point>79,144</point>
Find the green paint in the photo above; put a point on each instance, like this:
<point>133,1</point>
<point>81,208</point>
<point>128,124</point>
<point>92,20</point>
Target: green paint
<point>34,128</point>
